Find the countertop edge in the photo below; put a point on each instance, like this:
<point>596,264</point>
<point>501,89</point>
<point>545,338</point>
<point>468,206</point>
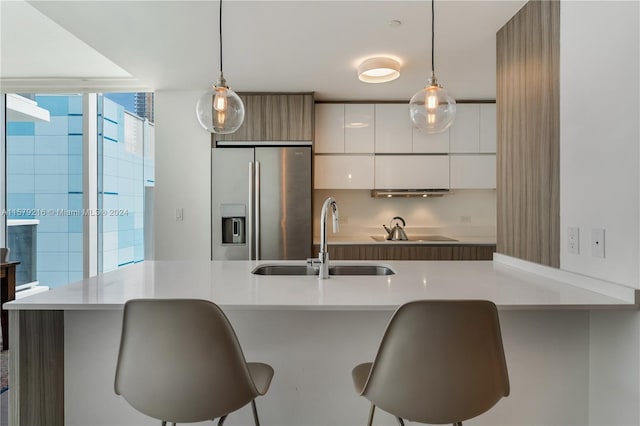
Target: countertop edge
<point>319,308</point>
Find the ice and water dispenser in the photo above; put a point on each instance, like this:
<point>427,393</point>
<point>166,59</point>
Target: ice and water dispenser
<point>233,223</point>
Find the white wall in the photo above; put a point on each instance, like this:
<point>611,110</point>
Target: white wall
<point>470,208</point>
<point>614,370</point>
<point>183,170</point>
<point>599,185</point>
<point>599,136</point>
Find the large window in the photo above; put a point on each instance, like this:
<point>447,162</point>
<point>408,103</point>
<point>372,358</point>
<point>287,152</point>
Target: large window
<point>122,184</point>
<point>44,192</point>
<point>46,208</point>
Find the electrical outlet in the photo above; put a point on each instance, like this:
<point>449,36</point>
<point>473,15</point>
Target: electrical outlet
<point>597,242</point>
<point>179,214</point>
<point>573,240</point>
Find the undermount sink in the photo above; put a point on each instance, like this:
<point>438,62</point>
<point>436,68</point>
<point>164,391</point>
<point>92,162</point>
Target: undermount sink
<point>274,269</point>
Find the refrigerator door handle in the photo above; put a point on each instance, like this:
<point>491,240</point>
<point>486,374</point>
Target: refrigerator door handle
<point>257,211</point>
<point>250,217</point>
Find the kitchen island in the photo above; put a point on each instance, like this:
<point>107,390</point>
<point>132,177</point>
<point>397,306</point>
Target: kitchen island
<point>313,332</point>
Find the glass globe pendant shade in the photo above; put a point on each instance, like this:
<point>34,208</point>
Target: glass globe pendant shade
<point>432,110</point>
<point>220,109</point>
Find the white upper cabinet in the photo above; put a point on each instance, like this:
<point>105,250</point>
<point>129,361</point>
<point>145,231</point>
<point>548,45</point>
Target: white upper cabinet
<point>465,136</point>
<point>344,128</point>
<point>437,143</point>
<point>474,129</point>
<point>488,127</point>
<point>329,128</point>
<point>393,131</point>
<point>412,171</point>
<point>359,128</point>
<point>343,172</point>
<point>473,171</point>
<point>386,129</point>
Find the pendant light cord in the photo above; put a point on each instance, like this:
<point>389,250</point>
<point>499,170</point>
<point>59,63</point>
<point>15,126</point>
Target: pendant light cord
<point>220,28</point>
<point>433,35</point>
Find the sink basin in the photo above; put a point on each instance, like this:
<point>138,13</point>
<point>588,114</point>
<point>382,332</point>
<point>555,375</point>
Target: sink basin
<point>284,270</point>
<point>333,270</point>
<point>360,270</point>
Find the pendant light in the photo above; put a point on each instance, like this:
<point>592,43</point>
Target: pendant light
<point>220,109</point>
<point>432,110</point>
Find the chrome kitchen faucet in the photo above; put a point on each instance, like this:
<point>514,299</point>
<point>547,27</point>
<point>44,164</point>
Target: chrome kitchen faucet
<point>323,255</point>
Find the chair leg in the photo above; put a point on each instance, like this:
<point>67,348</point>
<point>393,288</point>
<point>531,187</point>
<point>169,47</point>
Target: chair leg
<point>400,421</point>
<point>222,419</point>
<point>371,411</point>
<point>255,413</point>
<point>163,423</point>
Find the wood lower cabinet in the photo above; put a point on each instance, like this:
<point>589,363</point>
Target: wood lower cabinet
<point>409,252</point>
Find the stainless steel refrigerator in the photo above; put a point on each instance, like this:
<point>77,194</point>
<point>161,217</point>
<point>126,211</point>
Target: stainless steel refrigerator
<point>261,203</point>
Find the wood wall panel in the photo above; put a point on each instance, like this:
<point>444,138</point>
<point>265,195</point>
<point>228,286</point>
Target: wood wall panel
<point>528,134</point>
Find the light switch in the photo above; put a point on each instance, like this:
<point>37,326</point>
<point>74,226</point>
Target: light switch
<point>597,242</point>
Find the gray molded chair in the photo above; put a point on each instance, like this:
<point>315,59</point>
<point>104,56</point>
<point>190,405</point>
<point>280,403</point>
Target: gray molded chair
<point>180,361</point>
<point>439,362</point>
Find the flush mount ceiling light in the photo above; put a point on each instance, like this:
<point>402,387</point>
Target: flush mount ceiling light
<point>378,70</point>
<point>432,110</point>
<point>220,109</point>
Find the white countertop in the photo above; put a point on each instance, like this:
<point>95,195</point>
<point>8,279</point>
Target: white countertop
<point>367,240</point>
<point>231,285</point>
<point>359,235</point>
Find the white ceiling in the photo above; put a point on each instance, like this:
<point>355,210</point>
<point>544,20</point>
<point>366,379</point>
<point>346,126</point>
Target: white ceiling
<point>268,45</point>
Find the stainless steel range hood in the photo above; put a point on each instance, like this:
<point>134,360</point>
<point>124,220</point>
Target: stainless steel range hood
<point>413,193</point>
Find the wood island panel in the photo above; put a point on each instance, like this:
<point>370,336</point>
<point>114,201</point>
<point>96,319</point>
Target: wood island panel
<point>7,293</point>
<point>36,362</point>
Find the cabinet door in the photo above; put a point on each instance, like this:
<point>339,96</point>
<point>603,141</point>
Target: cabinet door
<point>252,128</point>
<point>329,128</point>
<point>275,111</point>
<point>488,127</point>
<point>343,172</point>
<point>408,252</point>
<point>412,171</point>
<point>359,129</point>
<point>393,128</point>
<point>286,117</point>
<point>465,129</point>
<point>437,143</point>
<point>473,171</point>
<point>299,117</point>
